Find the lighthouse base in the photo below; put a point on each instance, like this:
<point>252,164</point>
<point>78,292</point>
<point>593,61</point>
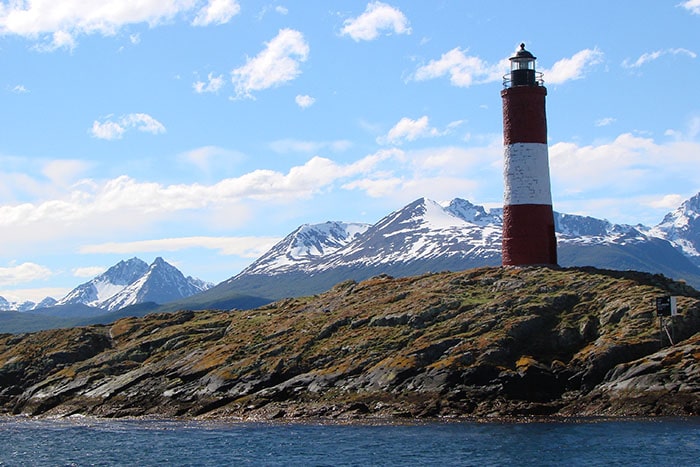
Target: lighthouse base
<point>528,235</point>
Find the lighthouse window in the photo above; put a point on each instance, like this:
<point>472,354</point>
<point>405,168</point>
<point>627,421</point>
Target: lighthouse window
<point>523,65</point>
<point>529,65</point>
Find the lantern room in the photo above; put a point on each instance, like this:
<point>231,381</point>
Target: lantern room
<point>522,70</point>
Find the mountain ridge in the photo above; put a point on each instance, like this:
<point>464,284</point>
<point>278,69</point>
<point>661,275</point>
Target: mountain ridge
<point>129,282</point>
<point>426,236</point>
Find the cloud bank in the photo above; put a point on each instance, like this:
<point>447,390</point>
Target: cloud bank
<point>246,247</point>
<point>57,24</point>
<point>21,273</point>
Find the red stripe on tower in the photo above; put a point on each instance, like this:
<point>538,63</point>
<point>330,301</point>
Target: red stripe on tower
<point>528,220</point>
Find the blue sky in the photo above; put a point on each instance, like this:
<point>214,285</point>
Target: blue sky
<point>204,131</point>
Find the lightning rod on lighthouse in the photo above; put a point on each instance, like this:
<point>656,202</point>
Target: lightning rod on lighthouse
<point>528,219</point>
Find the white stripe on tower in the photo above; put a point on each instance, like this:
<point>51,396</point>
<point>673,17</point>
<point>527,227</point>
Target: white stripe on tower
<point>526,168</point>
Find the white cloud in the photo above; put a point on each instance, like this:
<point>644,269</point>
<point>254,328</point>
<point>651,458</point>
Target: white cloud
<point>88,271</point>
<point>17,184</point>
<point>22,273</point>
<point>304,101</point>
<point>125,202</point>
<point>691,131</point>
<point>651,56</point>
<point>572,68</point>
<point>670,202</point>
<point>285,146</point>
<point>694,127</point>
<point>275,65</point>
<point>267,8</point>
<point>207,158</point>
<point>115,129</point>
<point>692,5</point>
<point>20,89</point>
<point>34,294</point>
<point>213,84</point>
<point>57,24</point>
<point>217,12</point>
<point>437,172</point>
<point>64,172</point>
<point>59,40</point>
<point>625,175</point>
<point>463,70</point>
<point>377,17</point>
<point>145,123</point>
<point>621,163</point>
<point>247,247</point>
<point>445,160</point>
<point>605,121</point>
<point>376,187</point>
<point>409,130</point>
<point>107,130</point>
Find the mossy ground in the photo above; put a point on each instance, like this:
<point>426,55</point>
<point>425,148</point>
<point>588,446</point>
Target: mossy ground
<point>503,341</point>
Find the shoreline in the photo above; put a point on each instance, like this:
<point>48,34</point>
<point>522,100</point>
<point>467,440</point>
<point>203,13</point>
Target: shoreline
<point>367,421</point>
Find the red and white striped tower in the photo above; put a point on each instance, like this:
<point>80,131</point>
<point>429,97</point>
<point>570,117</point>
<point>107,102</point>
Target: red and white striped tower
<point>528,221</point>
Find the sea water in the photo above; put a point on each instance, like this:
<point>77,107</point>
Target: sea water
<point>86,442</point>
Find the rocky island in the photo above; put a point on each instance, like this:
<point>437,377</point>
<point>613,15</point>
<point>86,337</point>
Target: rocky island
<point>488,342</point>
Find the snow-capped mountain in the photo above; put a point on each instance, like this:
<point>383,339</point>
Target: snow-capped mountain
<point>422,231</point>
<point>134,281</point>
<point>101,288</point>
<point>161,283</point>
<point>426,236</point>
<point>423,236</point>
<point>682,228</point>
<point>28,305</point>
<point>305,244</point>
<point>584,230</point>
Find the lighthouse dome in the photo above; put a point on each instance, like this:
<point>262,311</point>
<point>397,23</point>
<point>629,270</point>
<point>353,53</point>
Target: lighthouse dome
<point>523,54</point>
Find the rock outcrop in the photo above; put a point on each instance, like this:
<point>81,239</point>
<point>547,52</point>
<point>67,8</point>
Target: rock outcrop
<point>488,342</point>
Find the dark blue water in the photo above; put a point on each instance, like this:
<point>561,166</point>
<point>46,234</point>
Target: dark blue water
<point>138,442</point>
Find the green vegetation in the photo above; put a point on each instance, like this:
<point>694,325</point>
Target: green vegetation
<point>483,342</point>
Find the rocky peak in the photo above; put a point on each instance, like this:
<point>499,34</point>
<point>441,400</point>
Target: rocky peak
<point>125,272</point>
<point>134,281</point>
<point>473,213</point>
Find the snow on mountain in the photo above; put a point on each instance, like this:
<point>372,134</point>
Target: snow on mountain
<point>115,279</point>
<point>422,230</point>
<point>306,244</point>
<point>134,281</point>
<point>28,305</point>
<point>682,228</point>
<point>584,230</point>
<point>45,303</point>
<point>475,214</point>
<point>161,283</point>
<point>426,236</point>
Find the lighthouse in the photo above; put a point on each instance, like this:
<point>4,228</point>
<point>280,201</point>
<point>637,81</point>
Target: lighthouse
<point>528,220</point>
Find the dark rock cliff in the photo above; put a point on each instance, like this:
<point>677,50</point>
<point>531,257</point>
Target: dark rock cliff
<point>489,342</point>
